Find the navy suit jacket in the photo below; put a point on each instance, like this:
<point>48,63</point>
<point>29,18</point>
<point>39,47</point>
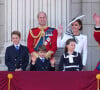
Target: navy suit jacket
<point>16,58</point>
<point>42,66</point>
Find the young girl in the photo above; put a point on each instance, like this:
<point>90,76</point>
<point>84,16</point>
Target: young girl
<point>70,60</point>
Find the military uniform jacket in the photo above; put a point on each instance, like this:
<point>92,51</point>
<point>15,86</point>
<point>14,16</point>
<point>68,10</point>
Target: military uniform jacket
<point>16,58</point>
<point>97,34</point>
<point>49,40</point>
<point>70,62</point>
<point>42,66</point>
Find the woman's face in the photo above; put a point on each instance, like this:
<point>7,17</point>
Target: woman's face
<point>76,26</point>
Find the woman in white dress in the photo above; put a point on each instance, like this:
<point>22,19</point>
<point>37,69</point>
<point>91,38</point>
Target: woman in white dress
<point>81,40</point>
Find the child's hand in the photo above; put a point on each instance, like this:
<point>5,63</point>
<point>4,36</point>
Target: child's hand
<point>33,58</point>
<point>18,69</point>
<point>52,61</point>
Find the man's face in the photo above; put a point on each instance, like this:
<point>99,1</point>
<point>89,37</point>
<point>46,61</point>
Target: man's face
<point>42,19</point>
<point>15,39</point>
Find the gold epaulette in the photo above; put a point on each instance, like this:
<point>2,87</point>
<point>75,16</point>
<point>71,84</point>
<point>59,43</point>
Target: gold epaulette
<point>33,34</point>
<point>41,33</point>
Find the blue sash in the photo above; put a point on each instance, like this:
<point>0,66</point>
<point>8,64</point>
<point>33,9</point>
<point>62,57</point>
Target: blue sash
<point>98,67</point>
<point>48,33</point>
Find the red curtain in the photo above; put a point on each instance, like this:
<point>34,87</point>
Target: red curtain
<point>51,80</point>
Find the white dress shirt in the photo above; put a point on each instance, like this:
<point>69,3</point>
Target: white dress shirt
<point>17,45</point>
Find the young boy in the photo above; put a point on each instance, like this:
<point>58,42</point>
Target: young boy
<point>41,63</point>
<point>16,56</point>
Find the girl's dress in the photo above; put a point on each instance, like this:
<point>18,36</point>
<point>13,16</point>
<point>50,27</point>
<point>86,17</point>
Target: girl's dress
<point>70,62</point>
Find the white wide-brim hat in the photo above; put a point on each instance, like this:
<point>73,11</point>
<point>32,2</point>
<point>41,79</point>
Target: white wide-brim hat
<point>75,19</point>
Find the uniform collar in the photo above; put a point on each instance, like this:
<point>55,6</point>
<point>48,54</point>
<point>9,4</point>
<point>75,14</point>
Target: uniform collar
<point>43,27</point>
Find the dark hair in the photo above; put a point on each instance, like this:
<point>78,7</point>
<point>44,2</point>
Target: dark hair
<point>67,43</point>
<point>42,48</point>
<point>80,23</point>
<point>16,33</point>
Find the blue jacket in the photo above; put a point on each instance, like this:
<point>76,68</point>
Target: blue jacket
<point>16,58</point>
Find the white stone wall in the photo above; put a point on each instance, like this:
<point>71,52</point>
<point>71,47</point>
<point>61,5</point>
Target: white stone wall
<point>2,20</point>
<point>21,15</point>
<point>2,34</point>
<point>89,7</point>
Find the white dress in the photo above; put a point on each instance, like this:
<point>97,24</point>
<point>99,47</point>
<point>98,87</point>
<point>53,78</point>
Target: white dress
<point>81,46</point>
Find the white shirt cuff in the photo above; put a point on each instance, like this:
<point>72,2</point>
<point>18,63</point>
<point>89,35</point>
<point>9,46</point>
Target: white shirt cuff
<point>97,26</point>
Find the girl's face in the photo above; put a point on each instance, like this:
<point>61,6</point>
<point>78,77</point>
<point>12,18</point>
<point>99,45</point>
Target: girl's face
<point>71,46</point>
<point>75,26</point>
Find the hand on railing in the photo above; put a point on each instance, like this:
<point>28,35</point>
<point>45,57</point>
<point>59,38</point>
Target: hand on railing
<point>52,61</point>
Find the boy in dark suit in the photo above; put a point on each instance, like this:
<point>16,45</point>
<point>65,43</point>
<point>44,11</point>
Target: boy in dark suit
<point>16,56</point>
<point>41,63</point>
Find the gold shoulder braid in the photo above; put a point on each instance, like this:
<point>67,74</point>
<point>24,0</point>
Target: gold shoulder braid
<point>41,33</point>
<point>33,34</point>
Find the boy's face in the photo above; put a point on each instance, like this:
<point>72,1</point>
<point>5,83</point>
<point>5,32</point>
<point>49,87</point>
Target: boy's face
<point>42,54</point>
<point>15,39</point>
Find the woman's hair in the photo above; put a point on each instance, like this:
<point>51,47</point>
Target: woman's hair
<point>80,23</point>
<point>67,43</point>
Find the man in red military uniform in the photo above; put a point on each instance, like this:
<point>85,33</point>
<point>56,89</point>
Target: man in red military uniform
<point>42,35</point>
<point>97,35</point>
<point>97,28</point>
